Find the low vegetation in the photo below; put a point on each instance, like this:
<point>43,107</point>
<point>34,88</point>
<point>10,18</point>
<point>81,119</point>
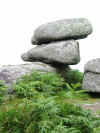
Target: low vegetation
<point>41,104</point>
<point>3,91</point>
<point>50,84</point>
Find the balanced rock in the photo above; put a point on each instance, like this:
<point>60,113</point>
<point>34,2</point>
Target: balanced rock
<point>11,73</point>
<point>62,30</point>
<point>91,80</point>
<point>63,52</point>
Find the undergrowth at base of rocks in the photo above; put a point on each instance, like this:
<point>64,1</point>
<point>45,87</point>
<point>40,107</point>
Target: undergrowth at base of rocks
<point>51,84</point>
<point>39,106</point>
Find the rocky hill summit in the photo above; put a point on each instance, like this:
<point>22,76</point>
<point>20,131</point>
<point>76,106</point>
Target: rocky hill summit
<point>56,48</point>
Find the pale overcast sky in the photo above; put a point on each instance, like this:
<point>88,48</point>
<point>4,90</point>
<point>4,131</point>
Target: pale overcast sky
<point>19,18</point>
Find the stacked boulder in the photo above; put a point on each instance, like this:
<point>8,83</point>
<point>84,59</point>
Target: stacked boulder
<point>91,80</point>
<point>57,45</point>
<point>56,49</point>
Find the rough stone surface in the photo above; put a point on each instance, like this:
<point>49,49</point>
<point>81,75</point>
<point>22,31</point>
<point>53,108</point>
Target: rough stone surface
<point>91,82</point>
<point>63,52</point>
<point>62,30</point>
<point>93,66</point>
<point>11,73</point>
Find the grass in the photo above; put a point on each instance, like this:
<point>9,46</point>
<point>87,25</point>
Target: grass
<point>46,103</point>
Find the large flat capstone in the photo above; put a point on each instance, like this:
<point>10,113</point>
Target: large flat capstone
<point>62,30</point>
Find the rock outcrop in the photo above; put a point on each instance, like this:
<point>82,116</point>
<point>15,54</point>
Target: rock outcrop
<point>57,43</point>
<point>91,80</point>
<point>11,73</point>
<point>57,47</point>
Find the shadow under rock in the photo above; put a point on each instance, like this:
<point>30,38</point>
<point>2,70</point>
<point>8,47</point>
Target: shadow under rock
<point>94,94</point>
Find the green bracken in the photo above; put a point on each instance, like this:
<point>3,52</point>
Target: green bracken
<point>39,106</point>
<point>3,91</point>
<point>50,84</point>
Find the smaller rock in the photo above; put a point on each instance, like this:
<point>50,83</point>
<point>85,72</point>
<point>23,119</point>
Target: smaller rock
<point>93,66</point>
<point>63,52</point>
<point>91,80</point>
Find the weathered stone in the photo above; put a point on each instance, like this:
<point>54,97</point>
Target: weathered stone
<point>91,82</point>
<point>34,41</point>
<point>11,73</point>
<point>63,52</point>
<point>62,30</point>
<point>93,66</point>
